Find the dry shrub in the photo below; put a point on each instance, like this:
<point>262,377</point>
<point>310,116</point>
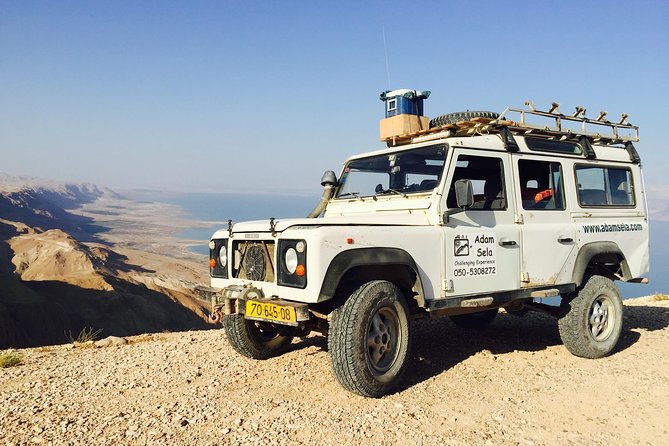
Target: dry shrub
<point>86,335</point>
<point>10,360</point>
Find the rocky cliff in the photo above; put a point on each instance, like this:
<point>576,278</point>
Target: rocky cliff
<point>59,277</point>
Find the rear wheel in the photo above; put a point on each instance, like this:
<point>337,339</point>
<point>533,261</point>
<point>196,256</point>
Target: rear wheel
<point>369,339</point>
<point>475,321</point>
<point>590,323</point>
<point>257,340</point>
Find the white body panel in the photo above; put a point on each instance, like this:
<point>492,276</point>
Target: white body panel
<point>548,237</point>
<point>547,242</point>
<point>328,241</point>
<point>475,261</point>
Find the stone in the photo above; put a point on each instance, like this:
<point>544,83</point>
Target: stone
<point>109,341</point>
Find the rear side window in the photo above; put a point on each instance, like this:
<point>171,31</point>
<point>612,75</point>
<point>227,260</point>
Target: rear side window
<point>549,145</point>
<point>604,186</point>
<point>541,185</point>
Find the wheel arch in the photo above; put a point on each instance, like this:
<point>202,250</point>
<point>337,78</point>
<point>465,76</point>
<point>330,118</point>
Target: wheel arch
<point>361,265</point>
<point>595,255</point>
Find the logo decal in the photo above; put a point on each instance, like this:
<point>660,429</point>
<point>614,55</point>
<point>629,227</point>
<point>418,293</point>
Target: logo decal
<point>461,246</point>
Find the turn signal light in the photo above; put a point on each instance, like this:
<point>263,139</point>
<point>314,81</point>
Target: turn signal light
<point>212,263</point>
<point>299,270</point>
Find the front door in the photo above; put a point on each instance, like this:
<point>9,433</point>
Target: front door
<point>481,244</point>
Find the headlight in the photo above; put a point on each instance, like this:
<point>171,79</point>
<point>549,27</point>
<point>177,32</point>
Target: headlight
<point>292,263</point>
<point>291,260</point>
<point>218,258</point>
<point>223,256</point>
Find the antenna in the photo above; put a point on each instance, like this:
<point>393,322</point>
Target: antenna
<point>385,50</point>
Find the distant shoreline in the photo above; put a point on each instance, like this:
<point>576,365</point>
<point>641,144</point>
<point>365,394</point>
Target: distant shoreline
<point>147,226</point>
<point>201,214</point>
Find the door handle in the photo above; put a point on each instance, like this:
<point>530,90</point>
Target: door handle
<point>564,239</point>
<point>506,242</point>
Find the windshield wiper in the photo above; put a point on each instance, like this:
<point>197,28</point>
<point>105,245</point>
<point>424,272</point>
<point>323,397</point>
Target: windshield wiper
<point>391,191</point>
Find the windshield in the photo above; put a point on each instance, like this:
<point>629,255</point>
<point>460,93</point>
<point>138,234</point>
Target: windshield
<point>401,173</point>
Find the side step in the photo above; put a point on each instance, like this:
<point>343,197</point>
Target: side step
<point>542,294</point>
<point>480,302</point>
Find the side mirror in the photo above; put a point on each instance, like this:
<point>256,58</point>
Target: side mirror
<point>464,197</point>
<point>329,179</point>
<point>464,193</point>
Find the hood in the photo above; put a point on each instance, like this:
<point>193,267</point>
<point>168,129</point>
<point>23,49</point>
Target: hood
<point>379,218</point>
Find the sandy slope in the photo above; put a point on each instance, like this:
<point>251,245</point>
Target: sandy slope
<point>514,384</point>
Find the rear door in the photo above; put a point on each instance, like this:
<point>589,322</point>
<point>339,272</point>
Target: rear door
<point>548,236</point>
<point>481,245</point>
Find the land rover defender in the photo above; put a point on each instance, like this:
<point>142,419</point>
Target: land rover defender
<point>478,212</point>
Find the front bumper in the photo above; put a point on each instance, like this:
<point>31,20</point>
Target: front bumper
<point>233,298</point>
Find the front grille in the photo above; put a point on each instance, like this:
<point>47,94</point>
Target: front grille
<point>253,260</point>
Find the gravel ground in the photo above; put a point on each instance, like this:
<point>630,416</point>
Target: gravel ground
<point>513,384</point>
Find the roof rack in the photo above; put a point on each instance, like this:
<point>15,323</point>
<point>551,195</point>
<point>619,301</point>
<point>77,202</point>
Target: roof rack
<point>599,129</point>
<point>555,126</point>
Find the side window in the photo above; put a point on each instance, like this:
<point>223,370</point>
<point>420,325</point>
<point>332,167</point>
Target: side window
<point>487,177</point>
<point>604,186</point>
<point>541,185</point>
<point>549,145</point>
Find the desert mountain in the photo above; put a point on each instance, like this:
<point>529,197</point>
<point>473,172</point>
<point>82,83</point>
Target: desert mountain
<point>58,276</point>
<point>54,255</point>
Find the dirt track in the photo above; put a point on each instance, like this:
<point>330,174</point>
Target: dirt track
<point>513,384</point>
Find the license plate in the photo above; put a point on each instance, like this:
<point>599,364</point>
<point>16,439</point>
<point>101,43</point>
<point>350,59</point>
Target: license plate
<point>271,312</point>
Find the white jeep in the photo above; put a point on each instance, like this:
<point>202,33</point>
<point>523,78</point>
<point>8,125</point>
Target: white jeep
<point>479,212</point>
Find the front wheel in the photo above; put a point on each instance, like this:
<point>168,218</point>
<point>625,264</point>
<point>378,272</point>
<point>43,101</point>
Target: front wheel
<point>591,322</point>
<point>369,339</point>
<point>257,340</point>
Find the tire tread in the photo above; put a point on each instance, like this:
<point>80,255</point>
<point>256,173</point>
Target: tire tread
<point>241,341</point>
<point>345,358</point>
<point>452,118</point>
<point>573,327</point>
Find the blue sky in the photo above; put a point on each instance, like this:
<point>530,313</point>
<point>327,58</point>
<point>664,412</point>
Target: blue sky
<point>264,96</point>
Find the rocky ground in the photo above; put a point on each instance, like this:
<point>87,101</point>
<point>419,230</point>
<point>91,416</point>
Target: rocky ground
<point>514,384</point>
